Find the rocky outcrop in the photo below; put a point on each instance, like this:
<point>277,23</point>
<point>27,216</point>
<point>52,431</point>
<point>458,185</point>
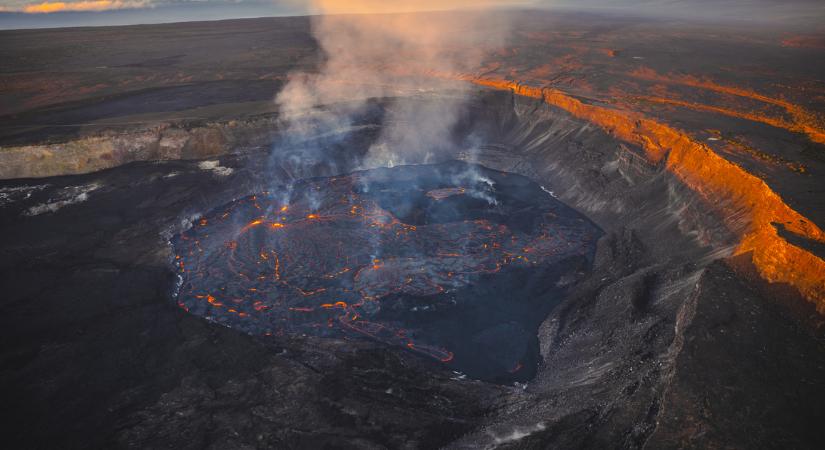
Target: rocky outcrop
<point>159,142</point>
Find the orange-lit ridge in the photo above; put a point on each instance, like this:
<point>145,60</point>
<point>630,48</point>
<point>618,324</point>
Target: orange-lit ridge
<point>802,120</point>
<point>732,190</point>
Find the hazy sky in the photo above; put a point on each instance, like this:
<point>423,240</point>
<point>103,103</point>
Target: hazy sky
<point>56,13</point>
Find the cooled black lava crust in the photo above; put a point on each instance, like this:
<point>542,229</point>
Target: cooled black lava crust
<point>453,261</point>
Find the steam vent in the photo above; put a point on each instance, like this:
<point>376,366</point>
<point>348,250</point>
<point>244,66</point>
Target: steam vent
<point>453,261</point>
<point>412,224</point>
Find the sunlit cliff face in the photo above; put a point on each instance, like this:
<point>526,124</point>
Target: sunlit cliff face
<point>694,124</point>
<point>744,202</point>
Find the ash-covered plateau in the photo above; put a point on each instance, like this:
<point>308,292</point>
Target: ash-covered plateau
<point>453,261</point>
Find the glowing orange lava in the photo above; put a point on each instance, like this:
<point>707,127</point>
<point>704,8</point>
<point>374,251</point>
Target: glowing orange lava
<point>332,271</point>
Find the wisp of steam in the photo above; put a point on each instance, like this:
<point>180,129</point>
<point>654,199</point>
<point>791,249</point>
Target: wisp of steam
<point>383,49</point>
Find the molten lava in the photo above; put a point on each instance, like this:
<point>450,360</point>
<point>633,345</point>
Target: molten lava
<point>453,261</point>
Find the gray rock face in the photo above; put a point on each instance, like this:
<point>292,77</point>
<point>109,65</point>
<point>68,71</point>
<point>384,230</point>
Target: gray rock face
<point>160,142</point>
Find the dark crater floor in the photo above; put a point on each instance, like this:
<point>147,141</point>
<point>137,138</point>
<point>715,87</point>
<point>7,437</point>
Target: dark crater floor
<point>453,261</point>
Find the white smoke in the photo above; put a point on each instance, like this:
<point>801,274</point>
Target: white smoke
<point>383,49</point>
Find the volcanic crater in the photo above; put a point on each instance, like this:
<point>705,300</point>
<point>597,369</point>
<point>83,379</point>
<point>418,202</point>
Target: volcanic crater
<point>339,302</point>
<point>453,261</point>
<point>338,290</point>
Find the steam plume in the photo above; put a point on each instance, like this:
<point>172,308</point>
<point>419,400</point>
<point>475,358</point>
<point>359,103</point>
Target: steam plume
<point>378,49</point>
